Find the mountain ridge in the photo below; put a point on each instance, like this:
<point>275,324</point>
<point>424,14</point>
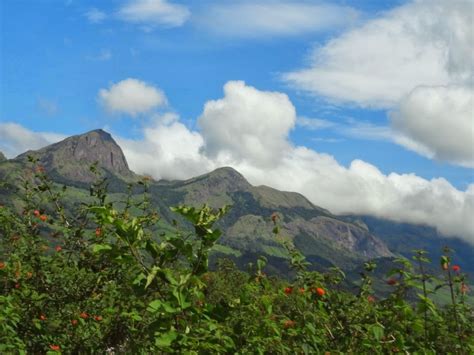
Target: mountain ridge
<point>325,239</point>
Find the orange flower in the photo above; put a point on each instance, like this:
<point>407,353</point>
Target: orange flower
<point>456,268</point>
<point>42,317</point>
<point>371,299</point>
<point>98,232</point>
<point>301,290</point>
<point>43,217</point>
<point>84,315</point>
<point>320,291</point>
<point>36,213</point>
<point>2,265</point>
<point>74,322</point>
<point>55,347</point>
<point>289,324</point>
<point>98,318</point>
<point>464,288</point>
<point>288,290</point>
<point>58,248</point>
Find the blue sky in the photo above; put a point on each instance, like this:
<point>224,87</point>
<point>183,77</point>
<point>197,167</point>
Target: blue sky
<point>358,88</point>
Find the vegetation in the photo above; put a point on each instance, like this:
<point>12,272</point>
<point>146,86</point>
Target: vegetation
<point>106,279</point>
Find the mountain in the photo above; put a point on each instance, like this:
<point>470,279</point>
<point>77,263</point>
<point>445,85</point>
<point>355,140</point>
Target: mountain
<point>325,239</point>
<point>71,158</point>
<point>322,236</point>
<point>2,157</point>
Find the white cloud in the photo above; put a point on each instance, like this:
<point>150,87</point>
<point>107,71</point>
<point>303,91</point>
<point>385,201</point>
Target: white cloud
<point>152,13</point>
<point>131,96</point>
<point>441,119</point>
<point>168,150</point>
<point>15,139</point>
<point>94,15</point>
<point>378,63</point>
<point>406,60</point>
<point>247,124</point>
<point>274,18</point>
<point>314,123</point>
<point>171,150</point>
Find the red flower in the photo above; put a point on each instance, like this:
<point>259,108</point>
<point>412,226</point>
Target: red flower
<point>391,282</point>
<point>43,217</point>
<point>456,268</point>
<point>288,290</point>
<point>98,232</point>
<point>84,315</point>
<point>320,291</point>
<point>74,322</point>
<point>36,213</point>
<point>98,318</point>
<point>55,347</point>
<point>371,299</point>
<point>2,265</point>
<point>289,324</point>
<point>58,248</point>
<point>42,317</point>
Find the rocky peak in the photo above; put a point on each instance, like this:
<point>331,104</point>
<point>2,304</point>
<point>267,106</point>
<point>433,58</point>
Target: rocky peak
<point>72,157</point>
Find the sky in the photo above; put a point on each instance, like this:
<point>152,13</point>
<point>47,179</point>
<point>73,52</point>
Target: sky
<point>363,106</point>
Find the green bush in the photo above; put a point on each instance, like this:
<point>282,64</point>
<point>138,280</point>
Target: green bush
<point>103,279</point>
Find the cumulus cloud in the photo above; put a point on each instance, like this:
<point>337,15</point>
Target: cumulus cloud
<point>442,119</point>
<point>406,60</point>
<point>168,150</point>
<point>131,96</point>
<point>274,18</point>
<point>152,13</point>
<point>247,124</point>
<point>15,139</point>
<point>94,15</point>
<point>171,150</point>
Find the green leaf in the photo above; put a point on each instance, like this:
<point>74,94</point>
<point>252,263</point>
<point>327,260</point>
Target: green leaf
<point>377,331</point>
<point>154,306</point>
<point>165,340</point>
<point>97,248</point>
<point>151,276</point>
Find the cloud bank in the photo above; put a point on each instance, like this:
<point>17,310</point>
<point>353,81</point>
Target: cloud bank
<point>132,97</point>
<point>409,60</point>
<point>248,129</point>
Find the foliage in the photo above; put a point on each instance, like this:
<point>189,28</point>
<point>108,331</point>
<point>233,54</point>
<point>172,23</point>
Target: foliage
<point>105,279</point>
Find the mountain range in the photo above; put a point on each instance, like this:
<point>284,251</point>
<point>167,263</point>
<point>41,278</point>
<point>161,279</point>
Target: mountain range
<point>324,238</point>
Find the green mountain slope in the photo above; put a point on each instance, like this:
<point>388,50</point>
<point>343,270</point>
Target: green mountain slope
<point>325,239</point>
